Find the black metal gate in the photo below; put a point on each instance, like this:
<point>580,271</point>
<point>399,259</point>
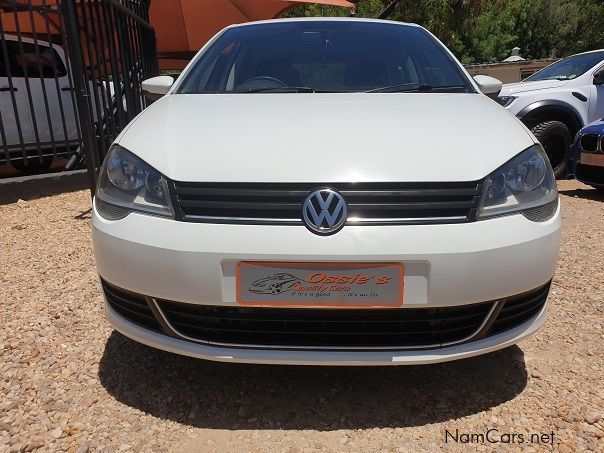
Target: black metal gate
<point>70,78</point>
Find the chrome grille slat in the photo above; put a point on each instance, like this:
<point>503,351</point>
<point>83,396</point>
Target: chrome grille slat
<point>384,203</point>
<point>420,206</point>
<point>235,205</point>
<point>409,192</point>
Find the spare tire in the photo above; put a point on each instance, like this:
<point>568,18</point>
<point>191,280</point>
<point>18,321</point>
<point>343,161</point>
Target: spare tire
<point>556,140</point>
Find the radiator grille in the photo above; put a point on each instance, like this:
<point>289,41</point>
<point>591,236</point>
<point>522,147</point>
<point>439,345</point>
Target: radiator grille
<point>589,142</point>
<point>368,203</point>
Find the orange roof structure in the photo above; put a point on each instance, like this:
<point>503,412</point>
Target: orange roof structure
<point>38,16</point>
<point>184,26</point>
<point>40,19</point>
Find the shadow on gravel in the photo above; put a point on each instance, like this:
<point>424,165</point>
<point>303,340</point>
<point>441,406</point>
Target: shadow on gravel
<point>40,186</point>
<point>234,396</point>
<point>588,194</point>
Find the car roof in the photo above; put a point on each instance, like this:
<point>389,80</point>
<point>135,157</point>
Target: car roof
<point>587,53</point>
<point>323,19</point>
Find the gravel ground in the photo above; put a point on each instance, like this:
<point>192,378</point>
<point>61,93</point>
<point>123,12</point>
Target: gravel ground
<point>68,382</point>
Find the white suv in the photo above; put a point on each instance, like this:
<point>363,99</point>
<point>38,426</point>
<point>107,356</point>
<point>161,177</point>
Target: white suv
<point>328,192</point>
<point>558,101</point>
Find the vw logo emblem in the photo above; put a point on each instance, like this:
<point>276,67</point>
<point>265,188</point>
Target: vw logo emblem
<point>324,211</point>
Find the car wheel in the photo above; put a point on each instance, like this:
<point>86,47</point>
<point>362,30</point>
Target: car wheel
<point>34,166</point>
<point>556,140</point>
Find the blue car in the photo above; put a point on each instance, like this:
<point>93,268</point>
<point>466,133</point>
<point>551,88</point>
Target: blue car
<point>586,161</point>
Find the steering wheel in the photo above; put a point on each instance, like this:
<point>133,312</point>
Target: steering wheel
<point>262,82</point>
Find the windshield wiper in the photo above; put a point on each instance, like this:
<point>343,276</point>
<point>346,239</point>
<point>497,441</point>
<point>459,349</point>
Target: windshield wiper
<point>277,90</point>
<point>420,88</point>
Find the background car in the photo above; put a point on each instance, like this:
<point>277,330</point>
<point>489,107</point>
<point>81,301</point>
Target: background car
<point>586,161</point>
<point>37,104</point>
<point>558,101</point>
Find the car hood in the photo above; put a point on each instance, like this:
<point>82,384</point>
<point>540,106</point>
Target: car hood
<point>346,137</point>
<point>597,127</point>
<point>521,87</point>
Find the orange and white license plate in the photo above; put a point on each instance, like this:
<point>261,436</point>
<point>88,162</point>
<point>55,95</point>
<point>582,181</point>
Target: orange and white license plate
<point>597,160</point>
<point>322,284</point>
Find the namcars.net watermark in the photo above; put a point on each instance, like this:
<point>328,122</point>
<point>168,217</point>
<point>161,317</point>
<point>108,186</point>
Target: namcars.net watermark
<point>496,436</point>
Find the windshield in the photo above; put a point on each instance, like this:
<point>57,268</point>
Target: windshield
<point>569,68</point>
<point>324,56</point>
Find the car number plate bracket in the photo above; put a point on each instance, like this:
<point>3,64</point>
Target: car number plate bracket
<point>342,285</point>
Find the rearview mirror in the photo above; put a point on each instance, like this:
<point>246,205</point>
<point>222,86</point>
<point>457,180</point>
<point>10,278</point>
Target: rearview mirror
<point>488,85</point>
<point>599,78</point>
<point>156,87</point>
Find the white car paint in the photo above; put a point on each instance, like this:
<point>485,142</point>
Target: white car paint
<point>268,125</point>
<point>445,265</point>
<point>356,137</point>
<point>487,84</point>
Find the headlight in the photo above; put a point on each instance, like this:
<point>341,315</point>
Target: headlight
<point>525,182</point>
<point>128,182</point>
<point>505,100</point>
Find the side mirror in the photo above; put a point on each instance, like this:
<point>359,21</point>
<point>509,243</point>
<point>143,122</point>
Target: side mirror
<point>156,87</point>
<point>488,85</point>
<point>599,78</point>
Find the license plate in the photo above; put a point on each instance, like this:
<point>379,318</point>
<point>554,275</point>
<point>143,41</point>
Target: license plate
<point>596,160</point>
<point>320,284</point>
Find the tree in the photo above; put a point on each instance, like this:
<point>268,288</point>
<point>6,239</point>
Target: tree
<point>486,30</point>
<point>364,8</point>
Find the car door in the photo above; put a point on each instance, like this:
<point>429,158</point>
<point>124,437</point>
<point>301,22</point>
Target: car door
<point>36,100</point>
<point>597,101</point>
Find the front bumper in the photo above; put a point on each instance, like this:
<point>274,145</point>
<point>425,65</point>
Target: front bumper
<point>331,358</point>
<point>587,174</point>
<point>445,266</point>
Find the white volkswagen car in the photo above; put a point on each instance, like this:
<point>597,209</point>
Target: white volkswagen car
<point>327,192</point>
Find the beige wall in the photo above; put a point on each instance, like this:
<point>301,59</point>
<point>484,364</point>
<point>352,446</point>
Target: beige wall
<point>509,72</point>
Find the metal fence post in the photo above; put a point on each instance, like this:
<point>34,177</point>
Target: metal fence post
<point>68,9</point>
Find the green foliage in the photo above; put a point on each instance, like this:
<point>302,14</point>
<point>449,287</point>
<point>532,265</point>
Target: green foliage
<point>364,8</point>
<point>486,30</point>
